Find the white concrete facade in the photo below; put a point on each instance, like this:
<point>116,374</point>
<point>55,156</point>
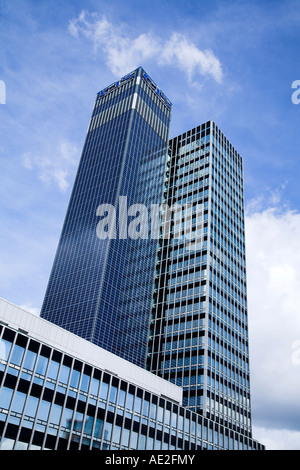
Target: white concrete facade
<point>66,342</point>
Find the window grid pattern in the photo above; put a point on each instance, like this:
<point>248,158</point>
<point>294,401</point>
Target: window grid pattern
<point>50,400</point>
<point>102,289</point>
<point>198,333</point>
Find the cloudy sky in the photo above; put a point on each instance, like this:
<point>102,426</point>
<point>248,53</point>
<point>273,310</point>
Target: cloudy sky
<point>236,62</point>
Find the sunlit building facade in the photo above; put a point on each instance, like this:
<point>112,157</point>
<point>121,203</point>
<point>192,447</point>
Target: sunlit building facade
<point>199,326</point>
<point>61,392</point>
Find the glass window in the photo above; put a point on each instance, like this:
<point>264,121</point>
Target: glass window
<point>125,438</point>
<point>160,414</point>
<point>107,431</point>
<point>30,360</point>
<point>88,425</point>
<point>53,370</point>
<point>116,434</point>
<point>174,420</point>
<point>167,417</point>
<point>153,411</point>
<point>42,365</point>
<point>98,427</point>
<point>7,444</point>
<point>75,378</point>
<point>104,391</point>
<point>122,396</point>
<point>17,355</point>
<point>5,347</point>
<point>55,414</point>
<point>133,440</point>
<point>113,394</point>
<point>150,442</point>
<point>85,381</point>
<point>180,423</point>
<point>95,386</point>
<point>18,403</point>
<point>64,374</point>
<point>78,422</point>
<point>44,410</point>
<point>5,397</point>
<point>137,404</point>
<point>31,406</point>
<point>146,408</point>
<point>129,402</point>
<point>142,442</point>
<point>67,418</point>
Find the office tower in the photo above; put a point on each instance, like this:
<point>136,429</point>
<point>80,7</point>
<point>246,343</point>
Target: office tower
<point>59,391</point>
<point>199,334</point>
<point>101,282</point>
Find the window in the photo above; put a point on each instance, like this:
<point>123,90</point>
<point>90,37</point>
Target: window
<point>53,370</point>
<point>42,365</point>
<point>75,378</point>
<point>85,381</point>
<point>95,386</point>
<point>5,397</point>
<point>17,355</point>
<point>55,414</point>
<point>64,374</point>
<point>116,434</point>
<point>104,391</point>
<point>5,347</point>
<point>121,399</point>
<point>88,425</point>
<point>31,406</point>
<point>19,401</point>
<point>137,404</point>
<point>113,395</point>
<point>44,410</point>
<point>30,359</point>
<point>125,438</point>
<point>67,418</point>
<point>98,427</point>
<point>78,421</point>
<point>107,431</point>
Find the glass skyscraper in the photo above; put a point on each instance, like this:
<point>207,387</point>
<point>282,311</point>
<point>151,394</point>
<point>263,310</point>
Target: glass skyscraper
<point>199,333</point>
<point>175,304</point>
<point>100,286</point>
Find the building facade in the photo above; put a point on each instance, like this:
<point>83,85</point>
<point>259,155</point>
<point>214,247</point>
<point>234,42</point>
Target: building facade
<point>199,329</point>
<point>100,285</point>
<point>56,392</point>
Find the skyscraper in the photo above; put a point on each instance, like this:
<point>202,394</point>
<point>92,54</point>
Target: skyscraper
<point>199,331</point>
<point>178,305</point>
<point>100,285</point>
<point>162,289</point>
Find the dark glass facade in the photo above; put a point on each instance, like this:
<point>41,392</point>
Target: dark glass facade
<point>101,288</point>
<point>199,327</point>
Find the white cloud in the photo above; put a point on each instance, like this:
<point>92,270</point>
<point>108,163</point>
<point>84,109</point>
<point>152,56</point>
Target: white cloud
<point>57,168</point>
<point>186,55</point>
<point>125,53</point>
<point>273,268</point>
<point>277,439</point>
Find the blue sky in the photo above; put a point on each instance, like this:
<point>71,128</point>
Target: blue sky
<point>230,61</point>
